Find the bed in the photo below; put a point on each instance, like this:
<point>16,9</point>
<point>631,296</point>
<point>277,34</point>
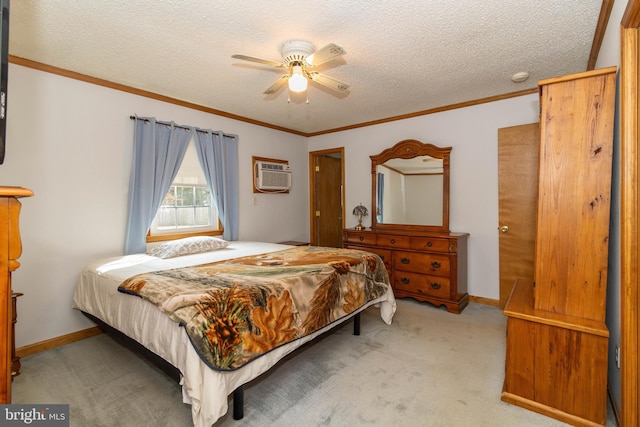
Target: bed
<point>205,385</point>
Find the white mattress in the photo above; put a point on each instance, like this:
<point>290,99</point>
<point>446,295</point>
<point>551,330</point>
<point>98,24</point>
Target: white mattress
<point>205,389</point>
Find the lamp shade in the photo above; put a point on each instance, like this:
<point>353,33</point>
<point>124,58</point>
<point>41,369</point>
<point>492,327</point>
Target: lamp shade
<point>360,210</point>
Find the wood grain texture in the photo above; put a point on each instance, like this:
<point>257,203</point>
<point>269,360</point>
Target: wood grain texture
<point>630,216</point>
<point>574,191</point>
<point>329,204</point>
<point>315,204</point>
<point>517,196</point>
<point>559,370</point>
<point>485,301</point>
<point>49,344</point>
<point>5,303</point>
<point>521,306</point>
<point>429,267</point>
<point>557,341</point>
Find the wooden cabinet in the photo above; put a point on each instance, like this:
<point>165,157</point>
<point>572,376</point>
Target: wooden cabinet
<point>10,251</point>
<point>574,184</point>
<point>557,341</point>
<point>428,267</point>
<point>556,364</point>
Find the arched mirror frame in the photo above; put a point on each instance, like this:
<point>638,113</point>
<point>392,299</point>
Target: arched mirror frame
<point>408,149</point>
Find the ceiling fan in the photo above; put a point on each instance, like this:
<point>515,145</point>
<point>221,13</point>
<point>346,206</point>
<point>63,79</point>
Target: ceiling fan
<point>299,57</point>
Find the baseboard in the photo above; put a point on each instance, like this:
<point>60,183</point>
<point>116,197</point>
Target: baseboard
<point>56,342</point>
<point>547,410</point>
<point>485,301</point>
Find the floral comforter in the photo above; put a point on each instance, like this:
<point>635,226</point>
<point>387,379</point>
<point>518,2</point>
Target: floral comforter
<point>236,310</point>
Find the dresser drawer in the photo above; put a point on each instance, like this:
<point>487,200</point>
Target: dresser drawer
<point>360,238</point>
<point>392,241</point>
<point>385,254</point>
<point>430,244</point>
<point>434,286</point>
<point>439,265</point>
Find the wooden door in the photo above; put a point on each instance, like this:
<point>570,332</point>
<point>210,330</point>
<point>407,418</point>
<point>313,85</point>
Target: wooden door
<point>629,218</point>
<point>327,211</point>
<point>517,194</point>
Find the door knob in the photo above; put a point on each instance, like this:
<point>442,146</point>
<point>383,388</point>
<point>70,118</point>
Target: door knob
<point>504,228</point>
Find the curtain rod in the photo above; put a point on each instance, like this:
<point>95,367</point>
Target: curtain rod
<point>146,119</point>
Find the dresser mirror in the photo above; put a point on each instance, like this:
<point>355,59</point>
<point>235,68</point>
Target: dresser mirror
<point>410,187</point>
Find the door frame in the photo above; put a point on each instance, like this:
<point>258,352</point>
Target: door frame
<point>629,213</point>
<point>313,222</point>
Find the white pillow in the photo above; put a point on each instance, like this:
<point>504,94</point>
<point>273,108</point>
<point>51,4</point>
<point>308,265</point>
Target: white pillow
<point>187,246</point>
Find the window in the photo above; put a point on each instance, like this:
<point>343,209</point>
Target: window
<point>188,208</point>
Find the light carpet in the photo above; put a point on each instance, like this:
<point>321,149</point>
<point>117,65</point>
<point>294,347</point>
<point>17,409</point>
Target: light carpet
<point>429,368</point>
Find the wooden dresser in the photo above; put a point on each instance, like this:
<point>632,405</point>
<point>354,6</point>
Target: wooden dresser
<point>10,251</point>
<point>428,267</point>
<point>557,339</point>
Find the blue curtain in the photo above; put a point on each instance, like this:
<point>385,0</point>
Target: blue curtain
<point>158,152</point>
<point>380,195</point>
<point>218,156</point>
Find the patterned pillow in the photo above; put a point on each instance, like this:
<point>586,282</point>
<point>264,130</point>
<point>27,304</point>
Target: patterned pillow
<point>186,246</point>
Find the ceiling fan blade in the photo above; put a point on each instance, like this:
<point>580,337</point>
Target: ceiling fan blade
<point>274,87</point>
<point>258,60</point>
<point>325,54</point>
<point>329,82</point>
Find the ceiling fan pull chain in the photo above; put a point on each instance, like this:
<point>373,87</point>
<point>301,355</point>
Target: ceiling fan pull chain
<point>307,98</point>
<point>288,98</point>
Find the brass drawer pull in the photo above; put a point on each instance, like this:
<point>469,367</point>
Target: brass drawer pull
<point>435,264</point>
<point>405,260</point>
<point>429,244</point>
<point>405,281</point>
<point>361,238</point>
<point>435,285</point>
<point>393,241</point>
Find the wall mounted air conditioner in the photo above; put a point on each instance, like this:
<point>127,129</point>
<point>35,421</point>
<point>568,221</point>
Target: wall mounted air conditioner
<point>272,176</point>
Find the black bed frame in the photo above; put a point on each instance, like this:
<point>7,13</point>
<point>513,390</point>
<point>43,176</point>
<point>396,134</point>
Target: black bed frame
<point>172,371</point>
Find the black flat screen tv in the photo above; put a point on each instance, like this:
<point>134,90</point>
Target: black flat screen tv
<point>4,71</point>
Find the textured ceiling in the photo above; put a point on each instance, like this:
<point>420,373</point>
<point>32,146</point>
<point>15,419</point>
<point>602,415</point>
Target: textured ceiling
<point>402,57</point>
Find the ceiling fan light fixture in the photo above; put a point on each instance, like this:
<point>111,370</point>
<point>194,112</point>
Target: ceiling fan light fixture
<point>297,81</point>
<point>299,58</point>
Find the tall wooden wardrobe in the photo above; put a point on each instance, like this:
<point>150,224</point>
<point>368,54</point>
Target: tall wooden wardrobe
<point>557,340</point>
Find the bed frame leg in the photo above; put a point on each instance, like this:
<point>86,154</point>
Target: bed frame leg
<point>238,403</point>
<point>238,394</point>
<point>356,324</point>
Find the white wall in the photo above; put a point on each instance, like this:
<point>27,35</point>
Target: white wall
<point>71,143</point>
<point>473,134</point>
